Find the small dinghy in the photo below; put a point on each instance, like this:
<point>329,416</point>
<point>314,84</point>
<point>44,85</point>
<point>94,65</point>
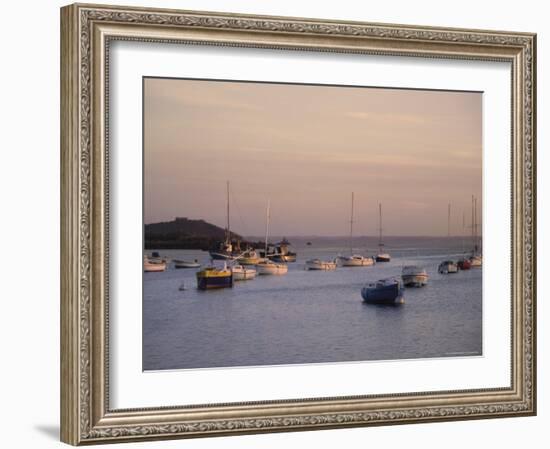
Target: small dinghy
<point>383,291</point>
<point>318,264</point>
<point>185,264</point>
<point>447,267</point>
<point>414,276</point>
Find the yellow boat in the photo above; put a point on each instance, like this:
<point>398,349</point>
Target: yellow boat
<point>212,277</point>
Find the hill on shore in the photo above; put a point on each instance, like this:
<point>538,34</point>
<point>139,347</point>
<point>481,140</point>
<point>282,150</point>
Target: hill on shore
<point>184,233</point>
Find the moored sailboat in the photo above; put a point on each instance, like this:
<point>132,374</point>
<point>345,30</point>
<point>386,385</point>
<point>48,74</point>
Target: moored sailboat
<point>476,259</point>
<point>242,273</point>
<point>267,266</point>
<point>353,260</point>
<point>224,251</point>
<point>381,256</point>
<point>318,264</point>
<point>464,262</point>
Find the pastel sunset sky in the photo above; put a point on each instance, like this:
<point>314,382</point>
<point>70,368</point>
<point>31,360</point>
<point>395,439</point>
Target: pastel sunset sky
<point>306,148</point>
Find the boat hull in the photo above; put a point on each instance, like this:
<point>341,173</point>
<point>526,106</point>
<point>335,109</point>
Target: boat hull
<point>464,264</point>
<point>287,258</point>
<point>356,261</point>
<point>183,264</point>
<point>320,265</point>
<point>447,268</point>
<point>384,295</point>
<point>475,262</point>
<point>271,269</point>
<point>212,279</point>
<point>383,258</point>
<point>244,274</point>
<point>414,280</point>
<point>154,267</point>
<point>249,260</point>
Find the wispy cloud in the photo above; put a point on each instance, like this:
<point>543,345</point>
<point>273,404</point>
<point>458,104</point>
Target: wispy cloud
<point>389,117</point>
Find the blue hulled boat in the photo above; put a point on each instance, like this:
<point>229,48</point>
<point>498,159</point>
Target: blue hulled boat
<point>384,291</point>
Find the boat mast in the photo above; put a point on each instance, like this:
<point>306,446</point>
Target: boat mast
<point>351,228</point>
<point>475,225</point>
<point>380,226</point>
<point>266,227</point>
<point>473,241</point>
<point>449,221</point>
<point>463,228</point>
<point>228,235</point>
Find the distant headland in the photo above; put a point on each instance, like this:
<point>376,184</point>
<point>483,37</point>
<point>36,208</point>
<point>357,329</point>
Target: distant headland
<point>185,233</point>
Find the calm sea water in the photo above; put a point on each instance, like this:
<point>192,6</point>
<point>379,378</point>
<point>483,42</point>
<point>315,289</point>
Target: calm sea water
<point>313,316</point>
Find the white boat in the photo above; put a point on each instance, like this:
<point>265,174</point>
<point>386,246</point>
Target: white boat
<point>267,266</point>
<point>355,260</point>
<point>318,264</point>
<point>149,266</point>
<point>447,267</point>
<point>476,261</point>
<point>270,267</point>
<point>185,264</point>
<point>241,273</point>
<point>414,276</point>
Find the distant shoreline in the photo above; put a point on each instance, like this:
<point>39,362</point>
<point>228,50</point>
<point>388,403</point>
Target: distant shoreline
<point>209,243</point>
<point>197,234</point>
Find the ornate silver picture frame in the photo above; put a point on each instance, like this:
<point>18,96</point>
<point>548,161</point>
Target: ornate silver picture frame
<point>87,32</point>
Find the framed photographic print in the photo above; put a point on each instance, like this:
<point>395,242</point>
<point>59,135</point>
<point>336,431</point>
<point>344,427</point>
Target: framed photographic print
<point>280,224</point>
